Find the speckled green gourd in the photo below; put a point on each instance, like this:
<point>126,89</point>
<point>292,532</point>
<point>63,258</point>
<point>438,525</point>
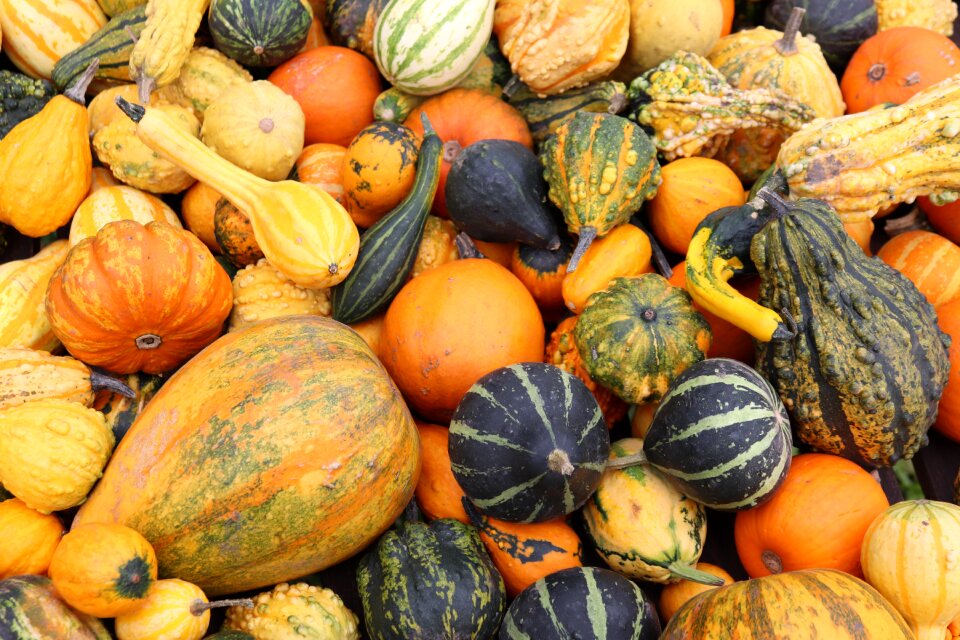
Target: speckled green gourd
<point>544,115</point>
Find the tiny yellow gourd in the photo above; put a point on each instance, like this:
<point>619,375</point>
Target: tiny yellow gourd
<point>23,288</point>
<point>260,292</point>
<point>173,610</point>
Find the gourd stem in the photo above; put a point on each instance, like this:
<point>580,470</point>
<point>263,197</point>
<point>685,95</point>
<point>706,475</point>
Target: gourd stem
<point>77,91</point>
<point>773,199</point>
<point>427,127</point>
<point>99,381</point>
<point>587,236</point>
<point>659,257</point>
<point>559,462</point>
<point>198,606</point>
<point>145,86</point>
<point>451,149</point>
<point>771,561</point>
<point>513,84</point>
<point>618,103</point>
<point>148,341</point>
<point>628,461</point>
<point>680,570</point>
<point>133,111</point>
<point>877,72</point>
<point>466,248</point>
<point>787,45</point>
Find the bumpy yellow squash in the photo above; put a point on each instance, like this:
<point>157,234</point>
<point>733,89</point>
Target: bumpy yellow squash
<point>28,374</point>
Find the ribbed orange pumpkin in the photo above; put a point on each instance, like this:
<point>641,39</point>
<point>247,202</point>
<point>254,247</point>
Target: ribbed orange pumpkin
<point>948,417</point>
<point>29,539</point>
<point>944,219</point>
<point>929,260</point>
<point>138,298</point>
<point>378,170</point>
<point>321,165</point>
<point>438,493</point>
<point>677,594</point>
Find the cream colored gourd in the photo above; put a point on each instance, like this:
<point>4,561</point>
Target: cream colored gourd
<point>23,288</point>
<point>173,610</point>
<point>205,74</point>
<point>936,15</point>
<point>301,230</point>
<point>118,203</point>
<point>260,292</point>
<point>256,126</point>
<point>164,43</point>
<point>27,375</point>
<point>911,555</point>
<point>37,33</point>
<point>295,610</point>
<point>660,28</point>
<point>52,452</point>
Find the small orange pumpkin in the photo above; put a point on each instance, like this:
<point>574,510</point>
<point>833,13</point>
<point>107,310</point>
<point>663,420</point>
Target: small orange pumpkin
<point>642,418</point>
<point>378,170</point>
<point>861,232</point>
<point>948,416</point>
<point>234,233</point>
<point>103,569</point>
<point>438,493</point>
<point>624,252</point>
<point>542,272</point>
<point>944,219</point>
<point>29,539</point>
<point>677,594</point>
<point>929,260</point>
<point>499,252</point>
<point>198,208</point>
<point>322,166</point>
<point>728,11</point>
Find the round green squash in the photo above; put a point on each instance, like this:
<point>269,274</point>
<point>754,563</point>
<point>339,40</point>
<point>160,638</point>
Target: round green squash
<point>638,334</point>
<point>257,33</point>
<point>30,609</point>
<point>430,581</point>
<point>528,443</point>
<point>838,27</point>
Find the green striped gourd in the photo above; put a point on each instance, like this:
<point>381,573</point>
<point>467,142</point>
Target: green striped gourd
<point>581,602</point>
<point>528,443</point>
<point>430,581</point>
<point>388,249</point>
<point>31,610</point>
<point>258,33</point>
<point>114,7</point>
<point>425,47</point>
<point>111,45</point>
<point>721,435</point>
<point>545,114</point>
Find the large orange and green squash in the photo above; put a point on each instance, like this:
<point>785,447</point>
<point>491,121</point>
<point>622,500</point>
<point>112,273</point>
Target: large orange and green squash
<point>238,470</point>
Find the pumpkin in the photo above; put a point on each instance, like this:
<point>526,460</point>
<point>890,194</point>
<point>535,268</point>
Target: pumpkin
<point>624,252</point>
<point>172,609</point>
<point>333,383</point>
<point>660,28</point>
<point>198,208</point>
<point>378,170</point>
<point>118,203</point>
<point>690,190</point>
<point>438,494</point>
<point>165,43</point>
<point>464,116</point>
<point>838,28</point>
<point>930,261</point>
<point>321,165</point>
<point>816,520</point>
<point>576,42</point>
<point>101,177</point>
<point>261,292</point>
<point>581,602</point>
<point>942,218</point>
<point>235,236</point>
<point>895,65</point>
<point>30,536</point>
<point>27,375</point>
<point>205,74</point>
<point>862,234</point>
<point>110,46</point>
<point>291,610</point>
<point>445,559</point>
<point>151,313</point>
<point>350,23</point>
<point>257,127</point>
<point>909,556</point>
<point>336,88</point>
<point>550,454</point>
<point>103,569</point>
<point>526,552</point>
<point>37,33</point>
<point>64,443</point>
<point>948,413</point>
<point>23,284</point>
<point>545,114</point>
<point>258,38</point>
<point>830,603</point>
<point>677,594</point>
<point>542,272</point>
<point>562,352</point>
<point>936,15</point>
<point>32,609</point>
<point>450,326</point>
<point>638,334</point>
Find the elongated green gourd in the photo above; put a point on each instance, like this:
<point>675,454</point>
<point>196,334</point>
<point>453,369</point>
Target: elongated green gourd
<point>111,45</point>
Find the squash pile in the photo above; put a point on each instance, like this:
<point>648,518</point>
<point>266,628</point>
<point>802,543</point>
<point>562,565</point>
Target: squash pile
<point>463,318</point>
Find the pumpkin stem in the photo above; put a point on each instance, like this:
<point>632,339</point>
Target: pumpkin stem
<point>133,111</point>
<point>775,201</point>
<point>148,341</point>
<point>587,236</point>
<point>627,461</point>
<point>145,86</point>
<point>680,570</point>
<point>198,606</point>
<point>877,72</point>
<point>451,149</point>
<point>100,381</point>
<point>787,45</point>
<point>559,462</point>
<point>618,103</point>
<point>466,247</point>
<point>771,561</point>
<point>788,329</point>
<point>78,89</point>
<point>513,84</point>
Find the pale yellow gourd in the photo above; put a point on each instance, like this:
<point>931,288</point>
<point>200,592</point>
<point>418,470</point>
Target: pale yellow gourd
<point>295,610</point>
<point>164,43</point>
<point>205,74</point>
<point>118,203</point>
<point>103,109</point>
<point>23,288</point>
<point>260,292</point>
<point>27,375</point>
<point>936,15</point>
<point>660,28</point>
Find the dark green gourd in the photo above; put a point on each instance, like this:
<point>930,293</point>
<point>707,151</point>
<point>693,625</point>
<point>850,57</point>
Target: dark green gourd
<point>21,97</point>
<point>111,45</point>
<point>257,33</point>
<point>30,609</point>
<point>430,581</point>
<point>863,375</point>
<point>528,443</point>
<point>839,26</point>
<point>544,114</point>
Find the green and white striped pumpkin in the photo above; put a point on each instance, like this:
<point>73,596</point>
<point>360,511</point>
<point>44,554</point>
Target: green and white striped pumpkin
<point>425,47</point>
<point>722,435</point>
<point>259,33</point>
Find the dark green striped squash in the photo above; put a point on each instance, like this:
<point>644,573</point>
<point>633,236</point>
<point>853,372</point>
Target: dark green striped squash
<point>528,443</point>
<point>389,248</point>
<point>721,435</point>
<point>864,371</point>
<point>581,602</point>
<point>350,23</point>
<point>430,581</point>
<point>545,114</point>
<point>257,33</point>
<point>119,410</point>
<point>495,193</point>
<point>230,635</point>
<point>111,45</point>
<point>31,610</point>
<point>638,334</point>
<point>838,26</point>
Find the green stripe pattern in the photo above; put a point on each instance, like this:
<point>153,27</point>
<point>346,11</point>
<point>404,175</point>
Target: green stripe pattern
<point>721,435</point>
<point>425,47</point>
<point>30,609</point>
<point>545,114</point>
<point>258,33</point>
<point>111,45</point>
<point>839,26</point>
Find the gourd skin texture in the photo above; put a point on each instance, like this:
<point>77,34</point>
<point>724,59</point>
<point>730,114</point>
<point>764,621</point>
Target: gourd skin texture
<point>545,115</point>
<point>936,15</point>
<point>118,203</point>
<point>33,608</point>
<point>261,292</point>
<point>37,33</point>
<point>165,42</point>
<point>111,46</point>
<point>929,260</point>
<point>30,538</point>
<point>438,494</point>
<point>165,614</point>
<point>205,74</point>
<point>234,234</point>
<point>27,375</point>
<point>378,171</point>
<point>292,611</point>
<point>23,285</point>
<point>659,28</point>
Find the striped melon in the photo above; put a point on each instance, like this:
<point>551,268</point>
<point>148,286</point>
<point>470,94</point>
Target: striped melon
<point>427,46</point>
<point>722,435</point>
<point>258,33</point>
<point>30,609</point>
<point>528,443</point>
<point>581,602</point>
<point>110,204</point>
<point>37,33</point>
<point>111,45</point>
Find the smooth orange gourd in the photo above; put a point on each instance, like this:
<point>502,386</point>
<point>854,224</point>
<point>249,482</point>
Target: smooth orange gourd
<point>321,165</point>
<point>948,416</point>
<point>198,208</point>
<point>929,260</point>
<point>438,493</point>
<point>29,539</point>
<point>624,252</point>
<point>945,219</point>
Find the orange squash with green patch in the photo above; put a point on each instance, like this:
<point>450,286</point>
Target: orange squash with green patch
<point>234,233</point>
<point>378,170</point>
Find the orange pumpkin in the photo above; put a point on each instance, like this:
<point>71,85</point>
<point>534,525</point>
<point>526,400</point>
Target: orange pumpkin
<point>929,260</point>
<point>893,65</point>
<point>728,10</point>
<point>450,326</point>
<point>691,189</point>
<point>464,116</point>
<point>816,519</point>
<point>624,252</point>
<point>29,539</point>
<point>322,166</point>
<point>948,417</point>
<point>197,209</point>
<point>103,569</point>
<point>861,232</point>
<point>438,493</point>
<point>944,219</point>
<point>370,330</point>
<point>234,233</point>
<point>542,272</point>
<point>138,298</point>
<point>642,419</point>
<point>677,594</point>
<point>499,252</point>
<point>336,88</point>
<point>378,170</point>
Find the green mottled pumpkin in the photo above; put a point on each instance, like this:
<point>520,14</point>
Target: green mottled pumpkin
<point>257,33</point>
<point>638,334</point>
<point>234,233</point>
<point>545,114</point>
<point>430,581</point>
<point>31,610</point>
<point>599,168</point>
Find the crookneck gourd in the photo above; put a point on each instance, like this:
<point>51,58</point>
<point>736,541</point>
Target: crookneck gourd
<point>164,43</point>
<point>692,109</point>
<point>868,161</point>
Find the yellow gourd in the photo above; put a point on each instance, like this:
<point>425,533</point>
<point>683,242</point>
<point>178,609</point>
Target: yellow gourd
<point>164,43</point>
<point>103,109</point>
<point>27,375</point>
<point>205,74</point>
<point>101,178</point>
<point>291,611</point>
<point>29,539</point>
<point>23,288</point>
<point>118,203</point>
<point>51,452</point>
<point>936,15</point>
<point>261,292</point>
<point>301,230</point>
<point>173,610</point>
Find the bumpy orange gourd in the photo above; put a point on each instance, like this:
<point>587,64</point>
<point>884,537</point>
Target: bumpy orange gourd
<point>679,593</point>
<point>261,292</point>
<point>29,539</point>
<point>624,252</point>
<point>378,170</point>
<point>438,493</point>
<point>23,284</point>
<point>929,260</point>
<point>110,204</point>
<point>438,245</point>
<point>138,298</point>
<point>948,415</point>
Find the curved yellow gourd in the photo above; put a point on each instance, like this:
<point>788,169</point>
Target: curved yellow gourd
<point>302,231</point>
<point>164,43</point>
